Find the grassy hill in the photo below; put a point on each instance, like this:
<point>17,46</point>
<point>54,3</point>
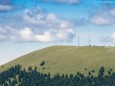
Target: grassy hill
<point>67,59</point>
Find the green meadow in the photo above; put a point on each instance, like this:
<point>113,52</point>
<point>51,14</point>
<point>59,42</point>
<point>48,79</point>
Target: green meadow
<point>67,59</point>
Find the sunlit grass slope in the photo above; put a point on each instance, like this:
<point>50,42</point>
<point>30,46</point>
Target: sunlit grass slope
<point>67,59</point>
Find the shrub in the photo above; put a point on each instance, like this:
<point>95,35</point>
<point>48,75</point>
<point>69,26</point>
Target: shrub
<point>42,63</point>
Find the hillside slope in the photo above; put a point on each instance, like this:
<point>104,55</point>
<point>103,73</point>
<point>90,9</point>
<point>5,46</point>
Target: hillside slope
<point>67,59</point>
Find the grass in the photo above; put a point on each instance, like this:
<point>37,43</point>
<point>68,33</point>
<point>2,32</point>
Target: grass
<point>67,59</point>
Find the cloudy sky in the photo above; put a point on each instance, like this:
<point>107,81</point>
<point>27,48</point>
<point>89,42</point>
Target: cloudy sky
<point>28,25</point>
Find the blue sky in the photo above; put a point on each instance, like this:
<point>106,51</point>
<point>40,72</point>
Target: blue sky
<point>29,25</point>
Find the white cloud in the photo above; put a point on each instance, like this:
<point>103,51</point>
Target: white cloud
<point>100,20</point>
<point>39,17</point>
<point>38,26</point>
<point>59,30</point>
<point>45,37</point>
<point>26,35</point>
<point>112,11</point>
<point>103,16</point>
<point>33,18</point>
<point>2,30</point>
<point>64,1</point>
<point>51,35</point>
<point>68,1</point>
<point>5,7</point>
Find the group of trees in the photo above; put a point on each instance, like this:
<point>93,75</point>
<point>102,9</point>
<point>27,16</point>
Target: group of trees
<point>16,76</point>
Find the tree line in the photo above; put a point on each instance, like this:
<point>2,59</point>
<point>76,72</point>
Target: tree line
<point>16,76</point>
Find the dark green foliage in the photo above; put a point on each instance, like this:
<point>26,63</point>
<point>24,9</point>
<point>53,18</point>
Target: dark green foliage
<point>89,73</point>
<point>31,77</point>
<point>85,68</point>
<point>2,66</point>
<point>42,63</point>
<point>35,68</point>
<point>101,72</point>
<point>109,72</point>
<point>93,71</point>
